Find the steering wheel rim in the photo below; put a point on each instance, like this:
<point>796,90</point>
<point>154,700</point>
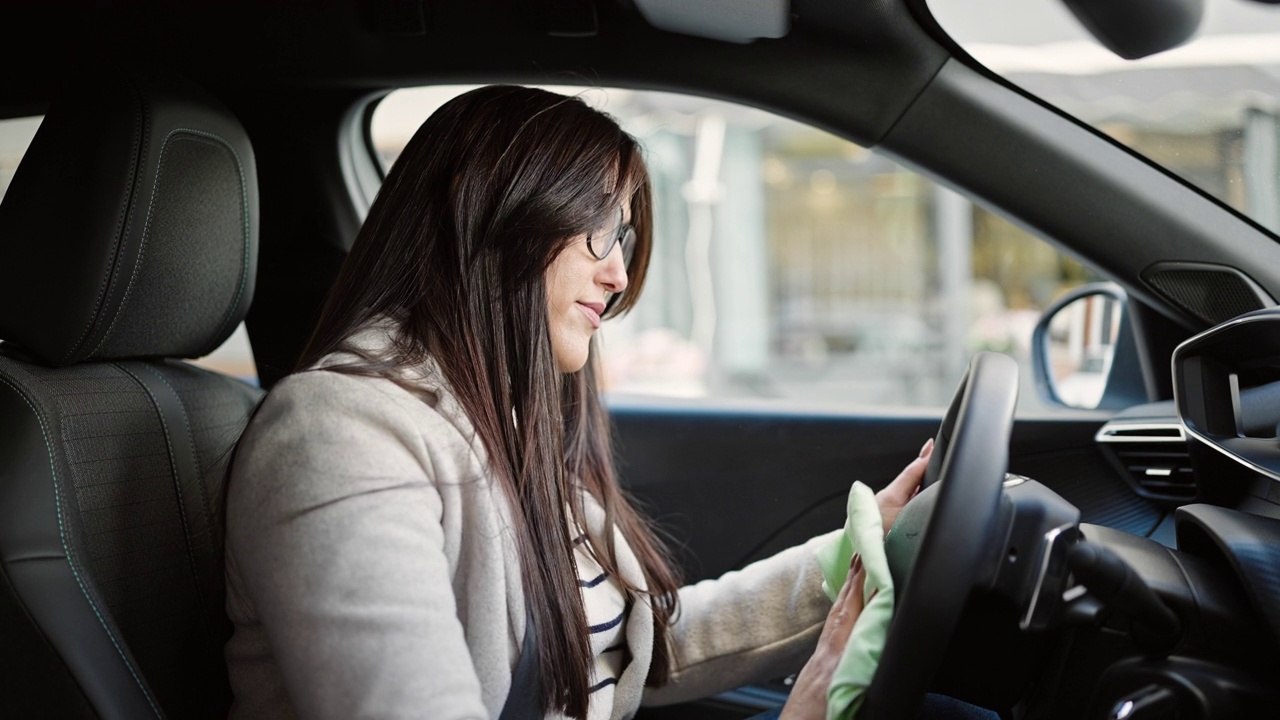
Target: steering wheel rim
<point>946,544</point>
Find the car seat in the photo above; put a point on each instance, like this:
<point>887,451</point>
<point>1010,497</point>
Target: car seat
<point>128,239</point>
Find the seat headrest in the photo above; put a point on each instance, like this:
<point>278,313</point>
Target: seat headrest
<point>131,226</point>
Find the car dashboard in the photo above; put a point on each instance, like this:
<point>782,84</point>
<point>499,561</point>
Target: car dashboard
<point>1227,396</point>
<point>1212,456</point>
<point>1185,620</point>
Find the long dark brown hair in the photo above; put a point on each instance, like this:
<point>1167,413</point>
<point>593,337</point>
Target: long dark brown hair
<point>490,189</point>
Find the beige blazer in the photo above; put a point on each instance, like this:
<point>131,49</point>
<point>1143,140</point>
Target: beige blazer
<point>371,571</point>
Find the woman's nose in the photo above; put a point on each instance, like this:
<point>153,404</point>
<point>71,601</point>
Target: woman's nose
<point>612,274</point>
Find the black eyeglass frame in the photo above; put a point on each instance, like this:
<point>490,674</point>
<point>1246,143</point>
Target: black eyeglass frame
<point>625,234</point>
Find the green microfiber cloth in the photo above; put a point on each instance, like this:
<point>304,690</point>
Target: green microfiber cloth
<point>863,534</point>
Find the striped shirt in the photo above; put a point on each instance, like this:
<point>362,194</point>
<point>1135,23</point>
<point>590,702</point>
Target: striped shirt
<point>606,605</point>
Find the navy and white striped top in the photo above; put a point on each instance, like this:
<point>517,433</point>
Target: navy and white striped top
<point>606,606</point>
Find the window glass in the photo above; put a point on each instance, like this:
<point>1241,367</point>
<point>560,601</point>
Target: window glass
<point>789,263</point>
<point>15,137</point>
<point>233,357</point>
<point>1208,111</point>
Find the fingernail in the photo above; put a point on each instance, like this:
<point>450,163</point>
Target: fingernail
<point>924,449</point>
<point>856,564</point>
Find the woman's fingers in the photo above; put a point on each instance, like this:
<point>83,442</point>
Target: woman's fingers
<point>909,479</point>
<point>808,699</point>
<point>844,610</point>
<point>904,487</point>
<point>842,596</point>
<point>858,580</point>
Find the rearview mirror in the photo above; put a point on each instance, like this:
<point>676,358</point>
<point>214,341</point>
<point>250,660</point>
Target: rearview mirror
<point>1083,351</point>
<point>1137,28</point>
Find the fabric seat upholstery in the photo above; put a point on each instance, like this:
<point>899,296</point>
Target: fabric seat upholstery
<point>128,240</point>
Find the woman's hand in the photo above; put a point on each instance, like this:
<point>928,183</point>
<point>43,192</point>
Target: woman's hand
<point>808,700</point>
<point>904,487</point>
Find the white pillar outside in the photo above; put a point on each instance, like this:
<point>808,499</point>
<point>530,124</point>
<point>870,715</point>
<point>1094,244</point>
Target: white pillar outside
<point>953,227</point>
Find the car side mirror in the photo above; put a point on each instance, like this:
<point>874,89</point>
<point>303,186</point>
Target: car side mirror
<point>1083,350</point>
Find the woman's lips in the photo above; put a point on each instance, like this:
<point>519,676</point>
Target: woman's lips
<point>593,311</point>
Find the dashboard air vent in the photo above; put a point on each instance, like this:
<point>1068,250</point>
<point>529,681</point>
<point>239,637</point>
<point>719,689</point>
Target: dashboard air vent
<point>1161,470</point>
<point>1153,457</point>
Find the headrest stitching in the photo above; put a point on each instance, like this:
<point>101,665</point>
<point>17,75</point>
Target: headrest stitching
<point>141,120</point>
<point>244,202</point>
<point>142,246</point>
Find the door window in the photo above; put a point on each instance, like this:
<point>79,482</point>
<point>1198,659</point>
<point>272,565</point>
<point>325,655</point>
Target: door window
<point>15,137</point>
<point>792,264</point>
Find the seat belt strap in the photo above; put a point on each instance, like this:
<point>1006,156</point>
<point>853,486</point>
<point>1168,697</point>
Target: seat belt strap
<point>524,701</point>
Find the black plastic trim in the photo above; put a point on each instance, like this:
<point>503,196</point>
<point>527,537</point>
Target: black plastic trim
<point>1249,542</point>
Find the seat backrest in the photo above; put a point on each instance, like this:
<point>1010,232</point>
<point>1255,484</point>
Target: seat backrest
<point>128,239</point>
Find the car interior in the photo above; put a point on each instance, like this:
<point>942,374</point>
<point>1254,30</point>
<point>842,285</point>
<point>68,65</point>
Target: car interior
<point>204,163</point>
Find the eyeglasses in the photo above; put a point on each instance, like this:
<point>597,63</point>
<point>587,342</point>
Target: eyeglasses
<point>622,233</point>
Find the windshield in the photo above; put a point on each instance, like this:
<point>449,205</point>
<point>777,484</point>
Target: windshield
<point>1208,111</point>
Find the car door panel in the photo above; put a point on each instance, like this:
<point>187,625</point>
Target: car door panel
<point>732,486</point>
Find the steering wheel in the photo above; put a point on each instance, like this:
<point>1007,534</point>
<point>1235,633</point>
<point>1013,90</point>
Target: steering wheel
<point>940,547</point>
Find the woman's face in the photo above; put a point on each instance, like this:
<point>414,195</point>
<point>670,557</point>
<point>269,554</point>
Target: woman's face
<point>578,286</point>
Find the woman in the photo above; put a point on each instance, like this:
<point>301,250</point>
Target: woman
<point>440,472</point>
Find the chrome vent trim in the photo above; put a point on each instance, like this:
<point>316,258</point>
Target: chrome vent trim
<point>1122,432</point>
<point>1153,457</point>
